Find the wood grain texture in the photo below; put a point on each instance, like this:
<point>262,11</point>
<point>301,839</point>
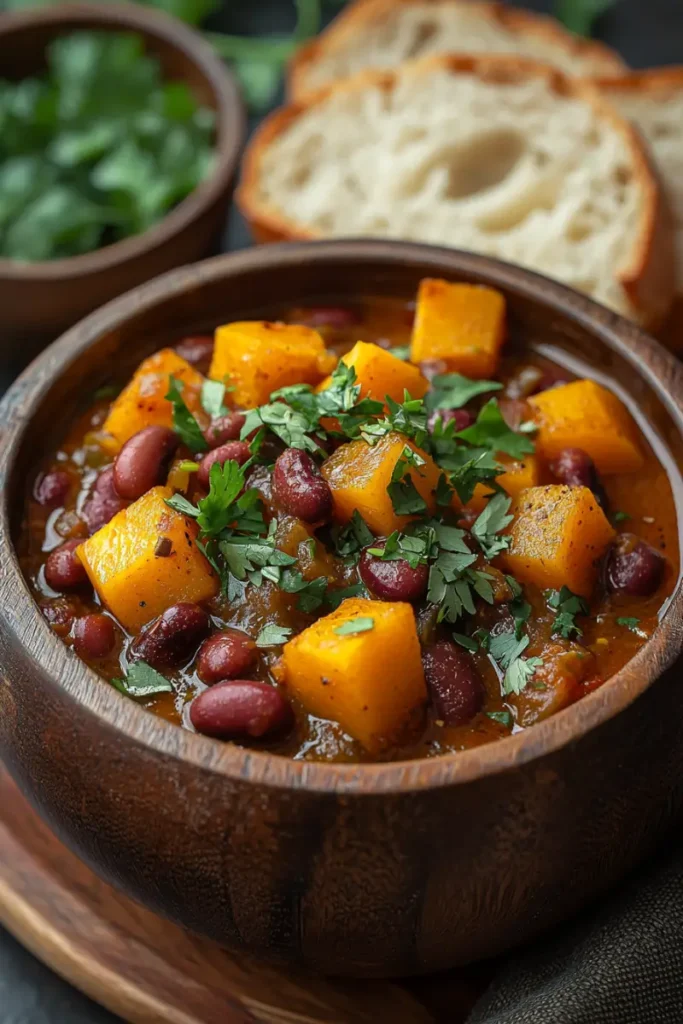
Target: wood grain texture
<point>151,972</point>
<point>372,870</point>
<point>40,300</point>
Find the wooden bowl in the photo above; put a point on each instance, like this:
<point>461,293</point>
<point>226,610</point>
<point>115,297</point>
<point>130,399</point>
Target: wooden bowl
<point>385,869</point>
<point>40,300</point>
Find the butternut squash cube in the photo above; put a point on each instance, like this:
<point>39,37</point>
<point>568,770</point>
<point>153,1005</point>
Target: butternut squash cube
<point>586,415</point>
<point>461,324</point>
<point>142,403</point>
<point>258,357</point>
<point>558,535</point>
<point>518,476</point>
<point>134,582</point>
<point>359,475</point>
<point>371,682</point>
<point>380,373</point>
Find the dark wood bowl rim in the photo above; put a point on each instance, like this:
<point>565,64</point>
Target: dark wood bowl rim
<point>230,129</point>
<point>648,359</point>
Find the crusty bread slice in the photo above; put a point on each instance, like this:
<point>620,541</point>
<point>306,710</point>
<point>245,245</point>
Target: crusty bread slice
<point>498,155</point>
<point>383,33</point>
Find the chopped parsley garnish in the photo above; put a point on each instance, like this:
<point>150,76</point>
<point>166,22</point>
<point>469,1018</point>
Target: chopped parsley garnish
<point>567,605</point>
<point>352,626</point>
<point>491,431</point>
<point>453,391</point>
<point>213,398</point>
<point>468,642</point>
<point>415,550</point>
<point>401,351</point>
<point>620,517</point>
<point>273,636</point>
<point>629,622</point>
<point>506,648</point>
<point>335,597</point>
<point>408,417</point>
<point>501,717</point>
<point>487,528</point>
<point>348,541</point>
<point>184,423</point>
<point>405,498</point>
<point>519,608</point>
<point>141,680</point>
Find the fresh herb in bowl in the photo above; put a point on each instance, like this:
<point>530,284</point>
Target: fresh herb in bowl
<point>96,149</point>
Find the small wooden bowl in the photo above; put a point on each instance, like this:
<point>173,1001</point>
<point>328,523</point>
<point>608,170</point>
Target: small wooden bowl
<point>40,300</point>
<point>384,869</point>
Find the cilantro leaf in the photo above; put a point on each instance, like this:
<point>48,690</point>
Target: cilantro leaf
<point>567,605</point>
<point>501,717</point>
<point>335,597</point>
<point>468,642</point>
<point>184,423</point>
<point>579,15</point>
<point>212,398</point>
<point>273,636</point>
<point>401,351</point>
<point>620,517</point>
<point>629,622</point>
<point>520,673</point>
<point>311,592</point>
<point>352,626</point>
<point>453,391</point>
<point>348,541</point>
<point>141,680</point>
<point>405,498</point>
<point>506,649</point>
<point>490,522</point>
<point>469,467</point>
<point>519,608</point>
<point>491,431</point>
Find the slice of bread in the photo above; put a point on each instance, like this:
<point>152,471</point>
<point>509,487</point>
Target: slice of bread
<point>384,33</point>
<point>498,155</point>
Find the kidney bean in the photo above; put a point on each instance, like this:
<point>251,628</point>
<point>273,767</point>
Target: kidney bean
<point>299,488</point>
<point>394,579</point>
<point>63,570</point>
<point>172,638</point>
<point>225,428</point>
<point>240,708</point>
<point>233,450</point>
<point>454,684</point>
<point>225,655</point>
<point>337,317</point>
<point>94,636</point>
<point>52,488</point>
<point>633,567</point>
<point>142,462</point>
<point>60,615</point>
<point>197,350</point>
<point>431,368</point>
<point>514,411</point>
<point>574,467</point>
<point>461,417</point>
<point>104,502</point>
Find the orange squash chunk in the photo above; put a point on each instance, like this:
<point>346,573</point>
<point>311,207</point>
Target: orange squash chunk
<point>371,682</point>
<point>518,476</point>
<point>558,535</point>
<point>586,415</point>
<point>461,324</point>
<point>132,582</point>
<point>380,373</point>
<point>258,357</point>
<point>359,475</point>
<point>142,403</point>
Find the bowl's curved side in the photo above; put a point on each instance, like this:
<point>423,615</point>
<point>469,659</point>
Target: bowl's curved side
<point>47,297</point>
<point>383,869</point>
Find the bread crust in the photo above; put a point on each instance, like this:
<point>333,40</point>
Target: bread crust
<point>647,272</point>
<point>354,19</point>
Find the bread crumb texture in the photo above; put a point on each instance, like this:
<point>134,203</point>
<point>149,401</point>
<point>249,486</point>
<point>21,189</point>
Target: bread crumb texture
<point>512,169</point>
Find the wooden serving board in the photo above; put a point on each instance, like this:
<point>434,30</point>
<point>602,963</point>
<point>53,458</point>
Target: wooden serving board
<point>151,972</point>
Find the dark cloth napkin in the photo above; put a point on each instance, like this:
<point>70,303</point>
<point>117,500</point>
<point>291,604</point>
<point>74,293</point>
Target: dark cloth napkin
<point>621,963</point>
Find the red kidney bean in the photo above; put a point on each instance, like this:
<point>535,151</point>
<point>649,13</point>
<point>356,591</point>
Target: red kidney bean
<point>233,450</point>
<point>172,638</point>
<point>94,636</point>
<point>240,708</point>
<point>104,502</point>
<point>394,579</point>
<point>431,368</point>
<point>142,462</point>
<point>225,655</point>
<point>574,467</point>
<point>225,428</point>
<point>197,350</point>
<point>461,417</point>
<point>633,567</point>
<point>514,412</point>
<point>52,488</point>
<point>454,684</point>
<point>337,317</point>
<point>60,615</point>
<point>299,488</point>
<point>63,570</point>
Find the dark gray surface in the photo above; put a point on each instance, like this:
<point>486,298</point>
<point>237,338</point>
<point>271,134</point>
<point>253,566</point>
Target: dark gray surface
<point>646,32</point>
